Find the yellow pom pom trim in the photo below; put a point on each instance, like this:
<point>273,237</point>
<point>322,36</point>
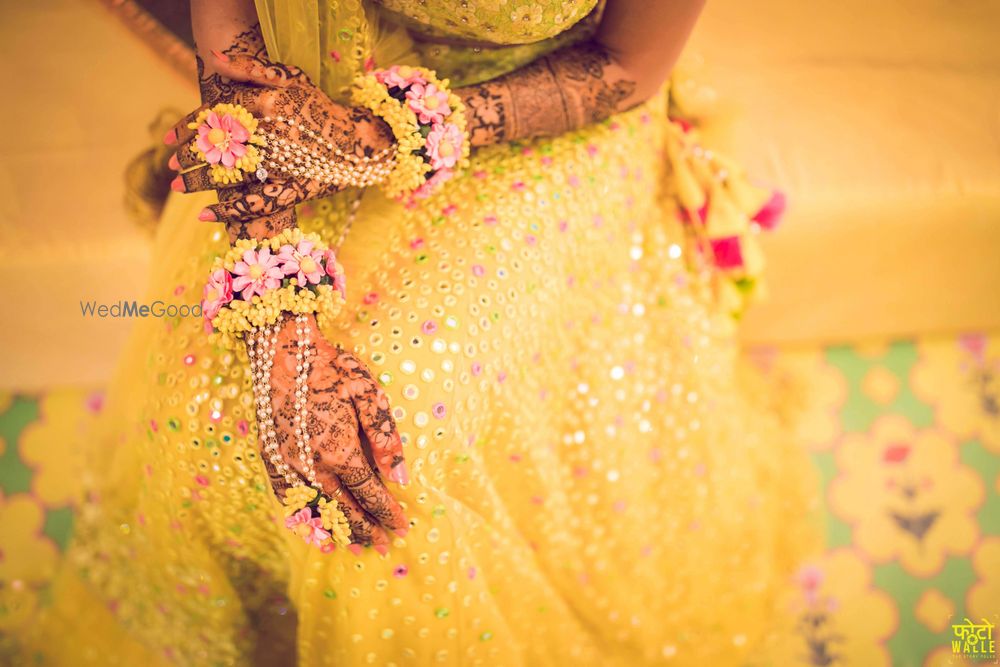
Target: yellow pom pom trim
<point>298,497</point>
<point>334,521</point>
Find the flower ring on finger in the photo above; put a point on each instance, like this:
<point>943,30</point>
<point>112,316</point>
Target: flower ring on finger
<point>230,142</point>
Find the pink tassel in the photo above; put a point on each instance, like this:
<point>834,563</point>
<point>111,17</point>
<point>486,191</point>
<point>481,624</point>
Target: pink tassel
<point>727,251</point>
<point>770,214</point>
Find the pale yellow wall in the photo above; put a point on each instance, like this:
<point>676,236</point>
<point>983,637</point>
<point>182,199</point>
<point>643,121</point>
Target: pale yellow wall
<point>880,119</point>
<point>82,90</point>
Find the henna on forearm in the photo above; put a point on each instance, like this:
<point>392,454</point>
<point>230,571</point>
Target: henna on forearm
<point>565,90</point>
<point>632,52</point>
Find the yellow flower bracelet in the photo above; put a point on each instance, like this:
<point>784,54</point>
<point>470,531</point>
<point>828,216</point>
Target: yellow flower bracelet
<point>257,281</point>
<point>428,121</point>
<point>316,518</point>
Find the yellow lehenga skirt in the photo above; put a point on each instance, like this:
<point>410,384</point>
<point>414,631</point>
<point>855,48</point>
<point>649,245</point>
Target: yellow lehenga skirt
<point>590,483</point>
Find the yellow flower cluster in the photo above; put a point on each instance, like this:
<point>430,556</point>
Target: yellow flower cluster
<point>249,161</point>
<point>411,170</point>
<point>238,317</point>
<point>334,521</point>
<point>298,497</point>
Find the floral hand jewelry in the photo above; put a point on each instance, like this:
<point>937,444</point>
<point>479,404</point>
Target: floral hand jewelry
<point>428,122</point>
<point>309,513</point>
<point>256,281</point>
<point>249,293</point>
<point>298,158</point>
<point>724,215</point>
<point>315,518</point>
<point>234,143</point>
<point>228,141</point>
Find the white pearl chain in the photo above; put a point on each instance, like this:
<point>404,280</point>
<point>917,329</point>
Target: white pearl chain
<point>302,364</point>
<point>263,343</point>
<point>291,157</point>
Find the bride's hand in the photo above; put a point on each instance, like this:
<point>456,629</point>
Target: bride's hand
<point>353,437</point>
<point>273,90</point>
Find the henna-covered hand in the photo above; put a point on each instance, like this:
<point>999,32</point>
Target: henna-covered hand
<point>353,436</point>
<point>244,75</point>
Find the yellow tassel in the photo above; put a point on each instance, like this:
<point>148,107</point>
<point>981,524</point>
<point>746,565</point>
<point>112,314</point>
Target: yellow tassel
<point>724,218</point>
<point>749,198</point>
<point>690,194</point>
<point>730,297</point>
<point>753,258</point>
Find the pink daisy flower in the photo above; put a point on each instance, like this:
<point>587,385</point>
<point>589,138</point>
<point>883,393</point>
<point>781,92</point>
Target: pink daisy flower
<point>400,76</point>
<point>308,527</point>
<point>222,139</point>
<point>258,272</point>
<point>444,145</point>
<point>429,103</point>
<point>303,261</point>
<point>218,292</point>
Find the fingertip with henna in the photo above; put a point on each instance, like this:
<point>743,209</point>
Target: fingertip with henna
<point>207,215</point>
<point>174,163</point>
<point>355,549</point>
<point>177,185</point>
<point>401,532</point>
<point>170,137</point>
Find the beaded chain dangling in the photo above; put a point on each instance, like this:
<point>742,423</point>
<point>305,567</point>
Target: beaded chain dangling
<point>298,277</point>
<point>308,511</point>
<point>292,157</point>
<point>302,354</point>
<point>262,344</point>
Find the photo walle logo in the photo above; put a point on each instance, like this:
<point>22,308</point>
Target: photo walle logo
<point>974,641</point>
<point>123,309</point>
